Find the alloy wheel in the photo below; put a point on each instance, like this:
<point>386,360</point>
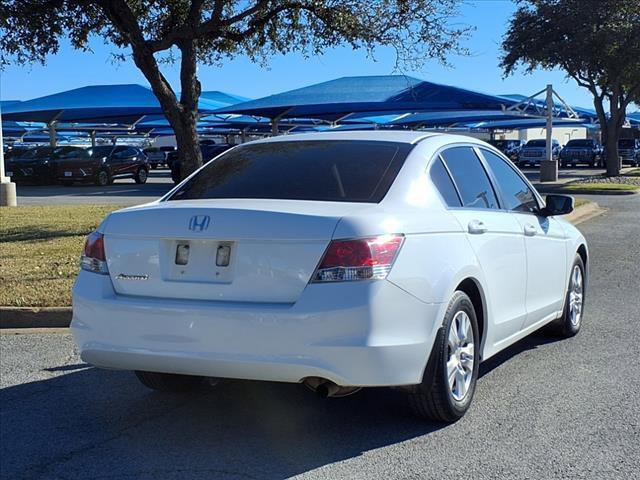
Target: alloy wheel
<point>576,296</point>
<point>460,356</point>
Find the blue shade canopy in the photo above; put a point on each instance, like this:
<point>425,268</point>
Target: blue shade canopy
<point>389,93</point>
<point>98,104</point>
<point>222,97</point>
<point>523,124</point>
<point>435,119</point>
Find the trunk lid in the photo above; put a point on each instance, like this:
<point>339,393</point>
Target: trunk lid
<point>272,246</point>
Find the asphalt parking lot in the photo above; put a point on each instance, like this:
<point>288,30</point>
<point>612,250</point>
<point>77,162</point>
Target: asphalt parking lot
<point>126,192</point>
<point>543,408</point>
<point>123,192</point>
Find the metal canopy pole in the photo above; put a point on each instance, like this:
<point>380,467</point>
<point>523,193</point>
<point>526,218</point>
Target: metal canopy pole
<point>52,133</point>
<point>549,166</point>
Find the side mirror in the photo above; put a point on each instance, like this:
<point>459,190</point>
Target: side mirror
<point>557,205</point>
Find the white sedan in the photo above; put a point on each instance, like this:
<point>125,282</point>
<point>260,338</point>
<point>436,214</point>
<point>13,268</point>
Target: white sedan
<point>337,260</point>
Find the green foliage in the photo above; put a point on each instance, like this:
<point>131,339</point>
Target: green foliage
<point>597,42</point>
<point>30,30</point>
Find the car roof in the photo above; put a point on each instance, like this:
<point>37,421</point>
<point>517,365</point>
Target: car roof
<point>399,136</point>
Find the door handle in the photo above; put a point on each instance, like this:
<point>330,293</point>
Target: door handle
<point>476,227</point>
<point>530,230</point>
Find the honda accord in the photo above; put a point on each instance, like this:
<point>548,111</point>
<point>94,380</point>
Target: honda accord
<point>338,260</point>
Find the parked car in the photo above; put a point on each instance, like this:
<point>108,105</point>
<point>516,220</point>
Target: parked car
<point>155,156</point>
<point>629,151</point>
<point>103,164</point>
<point>511,148</point>
<point>339,260</point>
<point>37,164</point>
<point>586,150</point>
<point>209,151</point>
<point>535,151</point>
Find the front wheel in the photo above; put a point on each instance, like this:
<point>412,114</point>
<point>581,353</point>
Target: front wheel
<point>570,322</point>
<point>168,382</point>
<point>103,178</point>
<point>141,176</point>
<point>449,381</point>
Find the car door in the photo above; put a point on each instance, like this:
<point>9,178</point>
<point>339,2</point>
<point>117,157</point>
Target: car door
<point>496,239</point>
<point>545,241</point>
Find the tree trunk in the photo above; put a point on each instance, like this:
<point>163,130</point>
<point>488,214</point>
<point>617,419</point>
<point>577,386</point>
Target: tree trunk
<point>189,154</point>
<point>614,128</point>
<point>611,149</point>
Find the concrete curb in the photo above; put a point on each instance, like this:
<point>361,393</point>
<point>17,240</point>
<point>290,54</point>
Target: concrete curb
<point>584,213</point>
<point>60,317</point>
<point>35,317</point>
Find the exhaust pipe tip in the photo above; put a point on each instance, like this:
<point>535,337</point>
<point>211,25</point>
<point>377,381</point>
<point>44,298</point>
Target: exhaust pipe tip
<point>326,388</point>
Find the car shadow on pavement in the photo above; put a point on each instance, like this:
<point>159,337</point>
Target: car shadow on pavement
<point>91,423</point>
<point>85,422</point>
<point>530,342</point>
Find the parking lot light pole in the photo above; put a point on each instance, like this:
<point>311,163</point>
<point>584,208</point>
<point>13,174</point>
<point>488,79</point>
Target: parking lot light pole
<point>7,187</point>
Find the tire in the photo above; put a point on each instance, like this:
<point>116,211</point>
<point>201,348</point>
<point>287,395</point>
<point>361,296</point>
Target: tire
<point>570,322</point>
<point>103,178</point>
<point>141,176</point>
<point>436,398</point>
<point>168,382</point>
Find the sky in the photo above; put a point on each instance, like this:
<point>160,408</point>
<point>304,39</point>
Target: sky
<point>478,71</point>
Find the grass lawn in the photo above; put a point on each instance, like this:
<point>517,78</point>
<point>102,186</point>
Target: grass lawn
<point>40,249</point>
<point>599,186</point>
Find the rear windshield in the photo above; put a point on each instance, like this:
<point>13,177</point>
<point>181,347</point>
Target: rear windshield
<point>537,143</point>
<point>325,170</point>
<point>627,143</point>
<point>580,143</point>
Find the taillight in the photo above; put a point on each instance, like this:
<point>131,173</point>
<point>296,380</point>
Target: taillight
<point>93,258</point>
<point>358,259</point>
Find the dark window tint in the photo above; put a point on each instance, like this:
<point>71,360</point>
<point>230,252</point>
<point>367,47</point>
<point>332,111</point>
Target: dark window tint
<point>97,152</point>
<point>343,171</point>
<point>580,143</point>
<point>444,184</point>
<point>515,192</point>
<point>626,143</point>
<point>537,143</point>
<point>470,178</point>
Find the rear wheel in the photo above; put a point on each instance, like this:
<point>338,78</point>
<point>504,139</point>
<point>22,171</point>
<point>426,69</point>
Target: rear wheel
<point>141,176</point>
<point>168,382</point>
<point>449,380</point>
<point>569,323</point>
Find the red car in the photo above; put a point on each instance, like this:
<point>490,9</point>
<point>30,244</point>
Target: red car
<point>102,165</point>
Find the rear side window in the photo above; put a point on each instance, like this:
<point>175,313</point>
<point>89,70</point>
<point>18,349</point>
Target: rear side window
<point>325,170</point>
<point>516,194</point>
<point>441,179</point>
<point>470,178</point>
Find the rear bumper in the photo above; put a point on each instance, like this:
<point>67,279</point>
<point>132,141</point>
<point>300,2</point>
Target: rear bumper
<point>360,334</point>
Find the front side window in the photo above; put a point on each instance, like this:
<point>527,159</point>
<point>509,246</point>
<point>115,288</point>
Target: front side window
<point>517,195</point>
<point>323,170</point>
<point>470,178</point>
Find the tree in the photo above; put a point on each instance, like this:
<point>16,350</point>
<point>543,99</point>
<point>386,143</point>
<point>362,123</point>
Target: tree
<point>596,42</point>
<point>208,32</point>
